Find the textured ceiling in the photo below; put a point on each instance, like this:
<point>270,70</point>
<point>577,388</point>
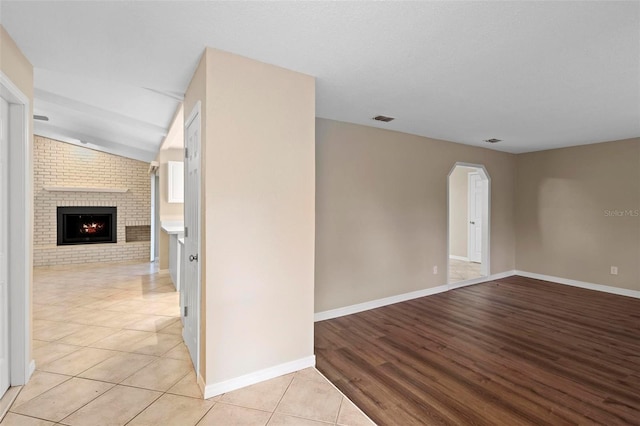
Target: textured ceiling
<point>537,75</point>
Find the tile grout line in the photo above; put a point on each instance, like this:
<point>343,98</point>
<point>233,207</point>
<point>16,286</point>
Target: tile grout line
<point>145,408</point>
<point>120,383</point>
<point>344,396</point>
<point>31,417</point>
<point>281,398</point>
<point>339,408</point>
<point>84,405</point>
<point>214,403</point>
<point>51,388</point>
<point>58,421</point>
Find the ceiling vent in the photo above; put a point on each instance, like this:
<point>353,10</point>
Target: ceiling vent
<point>41,117</point>
<point>383,118</point>
<point>493,140</point>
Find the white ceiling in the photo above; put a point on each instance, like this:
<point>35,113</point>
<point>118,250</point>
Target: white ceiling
<point>537,75</point>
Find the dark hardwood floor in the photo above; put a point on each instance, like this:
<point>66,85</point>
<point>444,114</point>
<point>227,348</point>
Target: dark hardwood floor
<point>516,351</point>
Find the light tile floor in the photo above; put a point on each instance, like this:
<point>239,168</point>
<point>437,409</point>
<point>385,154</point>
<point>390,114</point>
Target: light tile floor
<point>108,351</point>
<point>460,270</point>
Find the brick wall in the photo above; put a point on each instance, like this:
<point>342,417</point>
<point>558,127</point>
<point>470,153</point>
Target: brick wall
<point>58,164</point>
<point>138,233</point>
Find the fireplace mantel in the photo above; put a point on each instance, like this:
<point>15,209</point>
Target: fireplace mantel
<point>82,189</point>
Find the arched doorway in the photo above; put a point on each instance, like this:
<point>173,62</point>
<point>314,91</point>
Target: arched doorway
<point>468,223</point>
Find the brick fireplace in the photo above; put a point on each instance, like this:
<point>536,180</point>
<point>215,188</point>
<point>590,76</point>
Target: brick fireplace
<point>69,177</point>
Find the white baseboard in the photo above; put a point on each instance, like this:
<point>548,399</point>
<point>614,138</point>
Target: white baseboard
<point>581,284</point>
<point>453,256</point>
<point>378,303</point>
<point>215,389</point>
<point>32,368</point>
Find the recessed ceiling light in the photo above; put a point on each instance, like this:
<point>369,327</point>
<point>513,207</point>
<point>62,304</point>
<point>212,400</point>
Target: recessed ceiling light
<point>493,140</point>
<point>383,118</point>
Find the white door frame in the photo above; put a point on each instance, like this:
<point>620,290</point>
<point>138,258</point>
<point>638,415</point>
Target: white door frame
<point>485,267</point>
<point>470,208</point>
<point>155,216</point>
<point>5,377</point>
<point>20,237</point>
<point>196,112</point>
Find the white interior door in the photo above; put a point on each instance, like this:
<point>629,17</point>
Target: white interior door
<point>476,199</point>
<point>4,294</point>
<point>191,285</point>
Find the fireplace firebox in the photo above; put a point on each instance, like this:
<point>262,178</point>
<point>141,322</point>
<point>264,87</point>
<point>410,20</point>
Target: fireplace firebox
<point>86,225</point>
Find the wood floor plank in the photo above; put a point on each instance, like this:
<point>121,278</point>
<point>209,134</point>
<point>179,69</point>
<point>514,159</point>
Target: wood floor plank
<point>515,351</point>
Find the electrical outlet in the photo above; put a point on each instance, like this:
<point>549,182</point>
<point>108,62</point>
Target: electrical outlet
<point>614,270</point>
<point>435,270</point>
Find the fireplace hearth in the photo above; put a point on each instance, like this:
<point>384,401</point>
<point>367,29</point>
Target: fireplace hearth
<point>87,225</point>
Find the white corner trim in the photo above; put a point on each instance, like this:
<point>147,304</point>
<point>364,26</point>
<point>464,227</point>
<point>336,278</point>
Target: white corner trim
<point>32,368</point>
<point>20,237</point>
<point>201,384</point>
<point>378,303</point>
<point>582,284</point>
<point>454,257</point>
<point>215,389</point>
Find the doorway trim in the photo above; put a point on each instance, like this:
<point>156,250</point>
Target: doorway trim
<point>470,210</point>
<point>196,112</point>
<point>155,215</point>
<point>485,268</point>
<point>20,238</point>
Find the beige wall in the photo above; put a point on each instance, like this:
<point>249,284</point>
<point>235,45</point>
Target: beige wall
<point>459,211</point>
<point>171,150</point>
<point>567,225</point>
<point>61,164</point>
<point>168,211</point>
<point>259,184</point>
<point>381,211</point>
<point>15,65</point>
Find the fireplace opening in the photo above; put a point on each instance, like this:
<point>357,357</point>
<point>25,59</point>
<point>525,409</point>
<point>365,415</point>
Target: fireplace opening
<point>86,225</point>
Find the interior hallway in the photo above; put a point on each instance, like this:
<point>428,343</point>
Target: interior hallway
<point>461,270</point>
<point>108,351</point>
